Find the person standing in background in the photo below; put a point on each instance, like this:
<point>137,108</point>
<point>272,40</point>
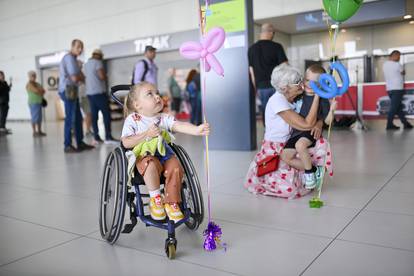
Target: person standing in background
<point>4,103</point>
<point>394,78</point>
<point>98,98</point>
<point>194,91</point>
<point>70,76</point>
<point>174,92</point>
<point>264,56</point>
<point>84,104</point>
<point>146,69</point>
<point>35,94</point>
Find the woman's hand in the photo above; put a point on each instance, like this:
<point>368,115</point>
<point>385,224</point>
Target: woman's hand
<point>153,131</point>
<point>203,129</point>
<point>316,131</point>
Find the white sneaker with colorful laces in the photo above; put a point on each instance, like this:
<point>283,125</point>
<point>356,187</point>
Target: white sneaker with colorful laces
<point>156,207</point>
<point>174,212</point>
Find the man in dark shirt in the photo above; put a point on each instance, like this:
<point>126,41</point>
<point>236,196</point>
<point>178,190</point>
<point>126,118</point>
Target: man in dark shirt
<point>264,56</point>
<point>4,103</point>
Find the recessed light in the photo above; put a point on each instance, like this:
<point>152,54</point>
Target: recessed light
<point>408,16</point>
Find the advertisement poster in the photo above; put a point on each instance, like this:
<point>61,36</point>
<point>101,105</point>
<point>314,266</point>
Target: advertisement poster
<point>230,15</point>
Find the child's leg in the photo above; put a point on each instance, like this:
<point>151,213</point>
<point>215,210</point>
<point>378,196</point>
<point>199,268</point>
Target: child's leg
<point>289,157</point>
<point>173,173</point>
<point>150,168</point>
<point>302,148</point>
<point>173,182</point>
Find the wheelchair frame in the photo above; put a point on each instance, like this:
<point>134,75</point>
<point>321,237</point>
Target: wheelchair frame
<point>116,165</point>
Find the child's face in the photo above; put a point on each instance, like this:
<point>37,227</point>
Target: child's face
<point>149,101</point>
<point>310,76</point>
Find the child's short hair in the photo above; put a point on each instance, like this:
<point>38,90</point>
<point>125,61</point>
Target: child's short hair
<point>132,96</point>
<point>316,68</point>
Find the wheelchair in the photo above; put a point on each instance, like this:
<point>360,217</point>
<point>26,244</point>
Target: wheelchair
<point>116,194</point>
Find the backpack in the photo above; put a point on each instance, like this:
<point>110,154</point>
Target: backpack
<point>143,75</point>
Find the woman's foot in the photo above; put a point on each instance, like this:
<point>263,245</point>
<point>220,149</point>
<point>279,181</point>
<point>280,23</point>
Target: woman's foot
<point>174,212</point>
<point>156,207</point>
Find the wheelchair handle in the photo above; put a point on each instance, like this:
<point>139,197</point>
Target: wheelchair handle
<point>116,88</point>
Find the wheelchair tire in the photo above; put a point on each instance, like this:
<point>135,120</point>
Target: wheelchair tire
<point>191,189</point>
<point>113,195</point>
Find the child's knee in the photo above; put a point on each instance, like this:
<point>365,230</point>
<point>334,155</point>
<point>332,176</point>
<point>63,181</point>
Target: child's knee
<point>301,146</point>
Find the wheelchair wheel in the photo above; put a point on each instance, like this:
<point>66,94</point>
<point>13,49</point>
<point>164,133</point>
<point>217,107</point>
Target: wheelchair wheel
<point>113,195</point>
<point>191,189</point>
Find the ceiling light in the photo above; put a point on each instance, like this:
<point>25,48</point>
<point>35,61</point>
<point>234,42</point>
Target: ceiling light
<point>334,26</point>
<point>408,16</point>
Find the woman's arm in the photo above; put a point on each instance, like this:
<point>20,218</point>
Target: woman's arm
<point>37,89</point>
<point>297,121</point>
<point>187,128</point>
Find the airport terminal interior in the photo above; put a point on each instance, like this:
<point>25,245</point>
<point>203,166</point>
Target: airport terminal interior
<point>190,80</point>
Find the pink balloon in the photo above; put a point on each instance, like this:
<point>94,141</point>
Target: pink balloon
<point>215,64</point>
<point>205,50</point>
<point>191,50</point>
<point>214,39</point>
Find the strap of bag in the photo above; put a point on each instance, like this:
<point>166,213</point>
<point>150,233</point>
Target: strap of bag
<point>146,68</point>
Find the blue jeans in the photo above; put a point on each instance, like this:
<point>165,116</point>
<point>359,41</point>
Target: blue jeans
<point>100,102</point>
<point>264,96</point>
<point>396,107</point>
<point>195,103</point>
<point>73,118</point>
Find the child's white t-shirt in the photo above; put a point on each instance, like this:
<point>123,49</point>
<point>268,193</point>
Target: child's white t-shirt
<point>277,129</point>
<point>135,123</point>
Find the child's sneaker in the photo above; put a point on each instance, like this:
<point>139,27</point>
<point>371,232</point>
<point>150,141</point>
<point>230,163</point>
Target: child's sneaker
<point>173,212</point>
<point>157,208</point>
<point>309,180</point>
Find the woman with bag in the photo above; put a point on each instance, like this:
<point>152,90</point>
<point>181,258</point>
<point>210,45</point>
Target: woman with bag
<point>267,174</point>
<point>35,94</point>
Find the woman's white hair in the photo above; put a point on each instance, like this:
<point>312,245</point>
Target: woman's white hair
<point>283,75</point>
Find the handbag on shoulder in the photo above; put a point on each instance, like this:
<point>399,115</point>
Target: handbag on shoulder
<point>71,92</point>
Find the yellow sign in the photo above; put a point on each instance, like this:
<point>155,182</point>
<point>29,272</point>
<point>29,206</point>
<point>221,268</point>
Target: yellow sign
<point>229,15</point>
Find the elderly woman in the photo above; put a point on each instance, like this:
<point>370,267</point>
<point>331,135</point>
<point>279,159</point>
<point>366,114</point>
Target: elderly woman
<point>280,118</point>
<point>35,94</point>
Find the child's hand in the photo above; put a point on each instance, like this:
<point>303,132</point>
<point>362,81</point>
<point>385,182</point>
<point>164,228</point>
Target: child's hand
<point>203,129</point>
<point>153,131</point>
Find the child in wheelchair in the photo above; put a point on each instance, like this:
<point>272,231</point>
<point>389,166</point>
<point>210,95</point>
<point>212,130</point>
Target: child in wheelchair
<point>147,132</point>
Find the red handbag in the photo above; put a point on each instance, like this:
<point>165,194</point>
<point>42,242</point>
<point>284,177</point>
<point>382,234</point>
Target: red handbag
<point>267,165</point>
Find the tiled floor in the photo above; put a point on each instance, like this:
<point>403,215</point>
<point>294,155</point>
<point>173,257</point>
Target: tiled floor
<point>49,214</point>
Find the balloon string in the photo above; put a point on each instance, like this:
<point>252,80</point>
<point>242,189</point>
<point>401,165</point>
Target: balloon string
<point>332,39</point>
<point>326,159</point>
<point>203,22</point>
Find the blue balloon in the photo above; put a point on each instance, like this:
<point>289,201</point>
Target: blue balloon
<point>328,88</point>
<point>343,74</point>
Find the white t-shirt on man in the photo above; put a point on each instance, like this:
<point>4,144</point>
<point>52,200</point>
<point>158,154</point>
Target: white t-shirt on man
<point>277,129</point>
<point>135,123</point>
<point>392,74</point>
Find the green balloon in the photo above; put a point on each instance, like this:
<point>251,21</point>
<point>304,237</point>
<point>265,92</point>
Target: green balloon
<point>341,10</point>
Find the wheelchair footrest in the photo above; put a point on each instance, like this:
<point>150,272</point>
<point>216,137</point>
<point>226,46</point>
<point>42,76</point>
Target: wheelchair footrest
<point>129,227</point>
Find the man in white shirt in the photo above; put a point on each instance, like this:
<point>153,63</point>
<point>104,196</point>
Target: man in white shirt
<point>393,74</point>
